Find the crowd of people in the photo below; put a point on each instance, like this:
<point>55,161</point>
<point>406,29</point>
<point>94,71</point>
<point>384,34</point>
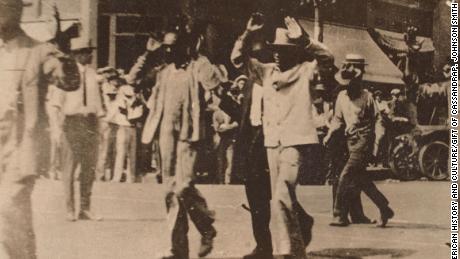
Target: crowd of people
<point>264,125</point>
<point>123,158</point>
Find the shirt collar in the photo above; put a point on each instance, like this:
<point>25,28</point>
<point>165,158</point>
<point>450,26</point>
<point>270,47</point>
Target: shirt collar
<point>81,68</point>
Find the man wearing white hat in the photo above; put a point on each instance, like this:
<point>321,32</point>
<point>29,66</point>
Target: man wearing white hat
<point>129,109</point>
<point>287,122</point>
<point>82,108</point>
<point>27,67</point>
<point>110,83</point>
<point>356,109</point>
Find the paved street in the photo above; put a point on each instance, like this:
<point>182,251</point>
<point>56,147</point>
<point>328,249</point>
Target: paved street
<point>134,223</point>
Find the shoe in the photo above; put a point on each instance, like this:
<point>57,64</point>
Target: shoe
<point>71,217</point>
<point>339,222</point>
<point>363,220</point>
<point>207,243</point>
<point>88,215</point>
<point>257,254</point>
<point>385,215</point>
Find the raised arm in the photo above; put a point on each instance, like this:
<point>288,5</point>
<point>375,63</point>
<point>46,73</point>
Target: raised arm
<point>239,53</point>
<point>321,54</point>
<point>210,75</point>
<point>313,48</point>
<point>144,70</point>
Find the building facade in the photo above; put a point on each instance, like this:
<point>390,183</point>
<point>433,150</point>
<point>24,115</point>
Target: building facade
<point>120,28</point>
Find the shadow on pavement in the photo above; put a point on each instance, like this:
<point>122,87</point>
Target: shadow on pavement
<point>348,253</point>
<point>416,226</point>
<point>358,253</point>
<point>105,219</point>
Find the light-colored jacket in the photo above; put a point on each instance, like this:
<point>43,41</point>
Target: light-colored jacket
<point>204,76</point>
<point>287,103</point>
<point>32,70</point>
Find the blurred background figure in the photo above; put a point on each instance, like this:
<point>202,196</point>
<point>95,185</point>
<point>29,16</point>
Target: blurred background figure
<point>55,119</point>
<point>322,110</point>
<point>379,153</point>
<point>110,83</point>
<point>226,130</point>
<point>236,91</point>
<point>322,115</point>
<point>402,114</point>
<point>129,109</point>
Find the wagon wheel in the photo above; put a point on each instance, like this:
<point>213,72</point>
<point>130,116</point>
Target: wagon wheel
<point>401,162</point>
<point>433,160</point>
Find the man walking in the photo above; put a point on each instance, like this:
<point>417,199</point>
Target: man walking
<point>82,108</point>
<point>250,162</point>
<point>27,67</point>
<point>287,123</point>
<point>176,106</point>
<point>356,109</point>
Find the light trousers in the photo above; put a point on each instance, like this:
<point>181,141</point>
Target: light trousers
<point>17,179</point>
<point>126,148</point>
<point>288,217</point>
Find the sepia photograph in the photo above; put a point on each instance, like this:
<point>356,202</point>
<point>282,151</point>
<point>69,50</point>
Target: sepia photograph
<point>228,129</point>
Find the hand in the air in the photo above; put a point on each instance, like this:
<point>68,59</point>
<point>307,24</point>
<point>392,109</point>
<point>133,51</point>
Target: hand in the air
<point>294,29</point>
<point>153,44</point>
<point>254,25</point>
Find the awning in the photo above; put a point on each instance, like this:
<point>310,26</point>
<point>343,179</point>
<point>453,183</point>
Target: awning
<point>46,30</point>
<point>395,41</point>
<point>342,40</point>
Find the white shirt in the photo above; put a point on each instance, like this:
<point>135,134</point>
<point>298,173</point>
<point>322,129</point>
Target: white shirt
<point>125,100</point>
<point>71,102</point>
<point>255,114</point>
<point>110,105</point>
<point>322,119</point>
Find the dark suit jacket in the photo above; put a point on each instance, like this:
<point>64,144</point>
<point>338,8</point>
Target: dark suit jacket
<point>249,144</point>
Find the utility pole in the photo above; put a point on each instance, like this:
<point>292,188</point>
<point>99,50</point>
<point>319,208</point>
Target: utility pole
<point>319,6</point>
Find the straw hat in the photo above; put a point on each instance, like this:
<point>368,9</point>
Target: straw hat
<point>355,59</point>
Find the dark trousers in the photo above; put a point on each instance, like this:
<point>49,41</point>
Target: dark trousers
<point>183,199</point>
<point>336,160</point>
<point>80,148</point>
<point>258,193</point>
<point>354,178</point>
